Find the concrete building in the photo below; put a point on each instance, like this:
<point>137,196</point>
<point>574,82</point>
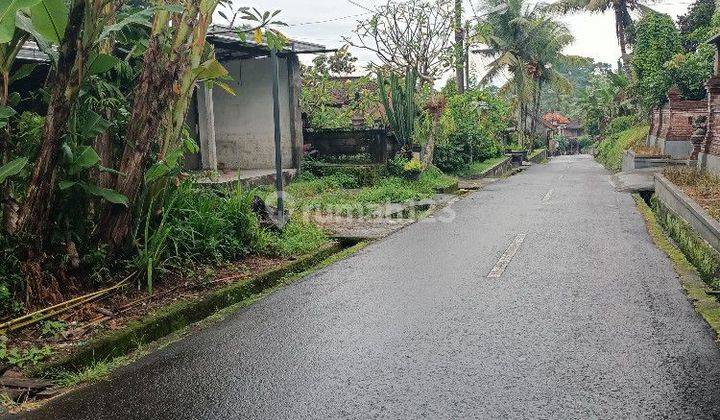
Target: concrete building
<point>236,132</point>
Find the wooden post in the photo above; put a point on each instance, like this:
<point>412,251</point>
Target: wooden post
<point>206,123</point>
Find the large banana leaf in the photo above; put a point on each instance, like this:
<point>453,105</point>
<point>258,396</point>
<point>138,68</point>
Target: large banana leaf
<point>12,168</point>
<point>8,10</point>
<point>50,17</point>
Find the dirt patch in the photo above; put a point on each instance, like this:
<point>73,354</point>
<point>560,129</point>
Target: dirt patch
<point>649,151</point>
<point>62,333</point>
<point>703,187</point>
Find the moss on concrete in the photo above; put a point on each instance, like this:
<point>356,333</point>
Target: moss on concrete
<point>707,306</point>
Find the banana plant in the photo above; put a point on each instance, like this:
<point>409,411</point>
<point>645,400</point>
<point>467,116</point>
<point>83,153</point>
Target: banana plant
<point>399,104</point>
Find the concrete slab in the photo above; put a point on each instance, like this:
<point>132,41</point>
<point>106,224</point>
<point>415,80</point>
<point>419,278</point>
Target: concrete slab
<point>246,177</point>
<point>475,184</point>
<point>637,180</point>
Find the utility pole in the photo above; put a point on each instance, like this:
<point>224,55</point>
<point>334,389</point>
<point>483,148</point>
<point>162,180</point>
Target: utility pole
<point>278,147</point>
<point>459,49</point>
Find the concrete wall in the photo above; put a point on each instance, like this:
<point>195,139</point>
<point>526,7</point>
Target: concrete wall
<point>684,207</point>
<point>244,132</point>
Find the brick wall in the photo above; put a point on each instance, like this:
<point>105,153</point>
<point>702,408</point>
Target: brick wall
<point>712,136</point>
<point>677,117</point>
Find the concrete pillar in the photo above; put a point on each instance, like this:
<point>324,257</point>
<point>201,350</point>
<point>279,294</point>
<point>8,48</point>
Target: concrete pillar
<point>206,123</point>
<point>296,125</point>
<point>713,123</point>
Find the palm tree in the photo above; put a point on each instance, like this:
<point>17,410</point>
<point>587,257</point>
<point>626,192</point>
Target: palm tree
<point>549,40</point>
<point>525,44</point>
<point>621,9</point>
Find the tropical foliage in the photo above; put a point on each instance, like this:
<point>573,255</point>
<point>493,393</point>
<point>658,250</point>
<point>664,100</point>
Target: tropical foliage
<point>90,171</point>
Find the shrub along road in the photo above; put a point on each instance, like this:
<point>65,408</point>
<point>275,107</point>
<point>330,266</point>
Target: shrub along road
<point>587,319</point>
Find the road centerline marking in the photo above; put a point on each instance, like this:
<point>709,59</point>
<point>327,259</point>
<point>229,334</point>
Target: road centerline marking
<point>548,196</point>
<point>506,257</point>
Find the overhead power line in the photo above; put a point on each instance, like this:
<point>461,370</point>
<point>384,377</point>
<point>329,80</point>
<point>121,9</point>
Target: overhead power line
<point>317,22</point>
<point>354,3</point>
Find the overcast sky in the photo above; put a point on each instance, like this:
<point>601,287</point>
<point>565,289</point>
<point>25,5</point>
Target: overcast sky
<point>327,21</point>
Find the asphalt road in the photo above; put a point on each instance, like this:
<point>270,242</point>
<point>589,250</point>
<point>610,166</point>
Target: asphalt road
<point>588,320</point>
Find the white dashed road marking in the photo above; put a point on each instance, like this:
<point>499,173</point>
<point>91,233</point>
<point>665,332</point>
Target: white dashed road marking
<point>548,196</point>
<point>506,257</point>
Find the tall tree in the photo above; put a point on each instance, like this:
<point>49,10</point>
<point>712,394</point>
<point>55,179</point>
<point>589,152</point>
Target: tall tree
<point>524,44</point>
<point>409,35</point>
<point>459,58</point>
<point>620,8</point>
<point>658,41</point>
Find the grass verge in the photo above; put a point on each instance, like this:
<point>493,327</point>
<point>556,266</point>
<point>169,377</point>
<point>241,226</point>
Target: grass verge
<point>343,193</point>
<point>707,306</point>
<point>176,317</point>
<point>611,149</point>
<point>100,368</point>
<point>479,168</point>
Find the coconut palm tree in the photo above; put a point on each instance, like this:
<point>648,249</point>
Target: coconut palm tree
<point>549,40</point>
<point>525,44</point>
<point>621,9</point>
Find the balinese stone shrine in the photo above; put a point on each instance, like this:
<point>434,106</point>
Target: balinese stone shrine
<point>685,129</point>
<point>672,125</point>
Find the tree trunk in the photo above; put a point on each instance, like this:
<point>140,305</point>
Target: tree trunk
<point>459,49</point>
<point>35,212</point>
<point>153,94</point>
<point>103,143</point>
<point>620,31</point>
<point>429,149</point>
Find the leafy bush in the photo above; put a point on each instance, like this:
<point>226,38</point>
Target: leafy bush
<point>689,71</point>
<point>584,142</point>
<point>620,124</point>
<point>657,40</point>
<point>396,165</point>
<point>11,281</point>
<point>469,128</point>
<point>450,157</point>
<point>611,149</point>
<point>413,168</point>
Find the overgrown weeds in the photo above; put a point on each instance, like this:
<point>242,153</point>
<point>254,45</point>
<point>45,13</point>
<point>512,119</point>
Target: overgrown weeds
<point>702,186</point>
<point>611,149</point>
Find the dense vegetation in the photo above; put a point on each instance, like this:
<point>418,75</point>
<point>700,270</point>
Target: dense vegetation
<point>610,151</point>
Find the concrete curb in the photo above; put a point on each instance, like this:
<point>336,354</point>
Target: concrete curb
<point>687,209</point>
<point>538,157</point>
<point>696,290</point>
<point>177,316</point>
<point>497,170</point>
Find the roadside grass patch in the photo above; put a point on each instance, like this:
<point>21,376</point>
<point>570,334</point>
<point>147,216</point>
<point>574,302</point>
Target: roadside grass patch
<point>299,237</point>
<point>611,149</point>
<point>535,153</point>
<point>701,186</point>
<point>695,249</point>
<point>477,168</point>
<point>340,194</point>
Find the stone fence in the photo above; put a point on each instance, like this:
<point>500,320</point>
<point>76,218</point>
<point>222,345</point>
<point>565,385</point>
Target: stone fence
<point>672,125</point>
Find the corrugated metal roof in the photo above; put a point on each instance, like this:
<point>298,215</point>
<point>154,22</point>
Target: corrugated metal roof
<point>229,34</point>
